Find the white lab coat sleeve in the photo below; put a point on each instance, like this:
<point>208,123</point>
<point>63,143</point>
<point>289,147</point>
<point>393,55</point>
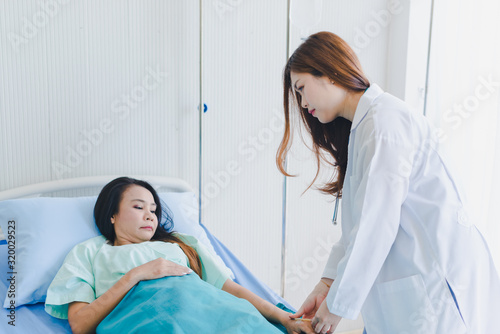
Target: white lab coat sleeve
<point>336,254</point>
<point>379,186</point>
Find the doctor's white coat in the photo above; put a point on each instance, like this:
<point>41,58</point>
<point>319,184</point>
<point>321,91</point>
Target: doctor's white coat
<point>407,244</point>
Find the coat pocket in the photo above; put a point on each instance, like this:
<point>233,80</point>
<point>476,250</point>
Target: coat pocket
<point>406,307</point>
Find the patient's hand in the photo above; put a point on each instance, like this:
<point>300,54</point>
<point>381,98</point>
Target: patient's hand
<point>298,326</point>
<point>157,269</point>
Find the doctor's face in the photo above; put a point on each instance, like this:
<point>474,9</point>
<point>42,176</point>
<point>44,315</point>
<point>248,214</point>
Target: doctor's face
<point>323,99</point>
<point>136,220</point>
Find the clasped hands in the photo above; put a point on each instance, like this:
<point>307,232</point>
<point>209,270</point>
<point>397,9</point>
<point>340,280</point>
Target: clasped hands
<point>315,309</point>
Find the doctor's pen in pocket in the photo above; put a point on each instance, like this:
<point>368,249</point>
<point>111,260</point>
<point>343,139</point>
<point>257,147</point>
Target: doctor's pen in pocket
<point>334,218</point>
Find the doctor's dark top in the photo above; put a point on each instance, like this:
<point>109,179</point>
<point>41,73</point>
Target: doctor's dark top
<point>407,244</point>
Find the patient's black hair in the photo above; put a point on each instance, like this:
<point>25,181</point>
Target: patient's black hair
<point>108,204</point>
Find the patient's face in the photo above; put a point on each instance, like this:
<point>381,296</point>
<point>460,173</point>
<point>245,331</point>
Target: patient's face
<point>135,221</point>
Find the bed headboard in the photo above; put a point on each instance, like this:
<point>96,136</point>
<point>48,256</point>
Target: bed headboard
<point>35,190</point>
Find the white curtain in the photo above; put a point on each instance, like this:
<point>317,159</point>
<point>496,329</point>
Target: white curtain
<point>463,103</point>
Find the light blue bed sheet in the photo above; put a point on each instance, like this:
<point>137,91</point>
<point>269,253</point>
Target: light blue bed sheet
<point>34,319</point>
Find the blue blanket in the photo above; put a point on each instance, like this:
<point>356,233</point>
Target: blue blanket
<point>183,304</point>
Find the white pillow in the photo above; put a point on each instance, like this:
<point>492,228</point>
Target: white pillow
<point>47,228</point>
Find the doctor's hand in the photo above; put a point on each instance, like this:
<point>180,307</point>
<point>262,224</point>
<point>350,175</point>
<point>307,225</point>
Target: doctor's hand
<point>314,300</point>
<point>324,321</point>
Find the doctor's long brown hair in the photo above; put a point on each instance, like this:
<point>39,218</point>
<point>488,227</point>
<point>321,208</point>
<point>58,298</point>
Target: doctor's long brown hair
<point>322,54</point>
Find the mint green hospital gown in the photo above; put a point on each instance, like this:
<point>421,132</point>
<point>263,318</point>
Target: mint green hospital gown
<point>184,304</point>
<point>94,266</point>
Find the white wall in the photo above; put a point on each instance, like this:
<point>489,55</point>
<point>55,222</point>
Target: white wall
<point>464,105</point>
<point>92,87</point>
<point>242,63</point>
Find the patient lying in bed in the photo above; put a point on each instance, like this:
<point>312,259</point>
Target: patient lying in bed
<point>139,277</point>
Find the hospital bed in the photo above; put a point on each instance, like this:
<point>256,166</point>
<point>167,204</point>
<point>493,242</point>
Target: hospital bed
<point>40,226</point>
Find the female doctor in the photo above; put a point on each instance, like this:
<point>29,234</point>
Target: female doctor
<point>409,259</point>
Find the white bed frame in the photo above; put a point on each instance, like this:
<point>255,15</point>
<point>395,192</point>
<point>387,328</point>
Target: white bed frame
<point>38,189</point>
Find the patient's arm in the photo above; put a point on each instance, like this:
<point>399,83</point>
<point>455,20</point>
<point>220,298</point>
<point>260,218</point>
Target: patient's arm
<point>85,317</point>
<point>268,310</point>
